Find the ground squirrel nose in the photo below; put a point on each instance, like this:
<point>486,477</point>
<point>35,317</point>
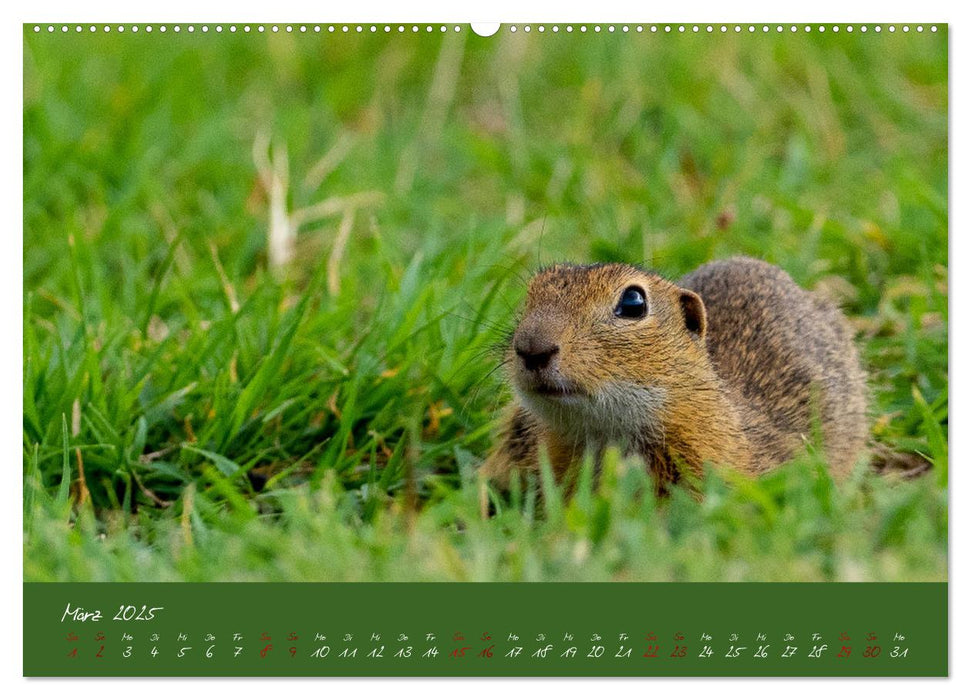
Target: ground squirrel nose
<point>535,354</point>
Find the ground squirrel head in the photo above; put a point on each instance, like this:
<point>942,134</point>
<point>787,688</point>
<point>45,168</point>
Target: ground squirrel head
<point>599,347</point>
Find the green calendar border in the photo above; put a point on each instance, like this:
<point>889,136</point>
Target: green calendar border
<point>485,615</point>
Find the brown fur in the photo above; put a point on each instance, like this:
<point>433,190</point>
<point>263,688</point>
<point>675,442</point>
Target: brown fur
<point>732,366</point>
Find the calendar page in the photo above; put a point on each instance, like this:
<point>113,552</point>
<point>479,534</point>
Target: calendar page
<point>423,349</point>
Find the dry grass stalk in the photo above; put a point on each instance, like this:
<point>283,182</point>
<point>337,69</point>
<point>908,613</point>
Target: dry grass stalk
<point>337,252</point>
<point>273,168</point>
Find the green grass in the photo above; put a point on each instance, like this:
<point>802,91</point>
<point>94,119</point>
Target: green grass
<point>236,420</point>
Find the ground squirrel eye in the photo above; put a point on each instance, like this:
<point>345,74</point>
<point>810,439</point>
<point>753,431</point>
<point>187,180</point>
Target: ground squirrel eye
<point>632,304</point>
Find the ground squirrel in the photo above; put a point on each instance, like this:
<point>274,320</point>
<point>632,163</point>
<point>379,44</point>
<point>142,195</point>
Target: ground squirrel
<point>732,365</point>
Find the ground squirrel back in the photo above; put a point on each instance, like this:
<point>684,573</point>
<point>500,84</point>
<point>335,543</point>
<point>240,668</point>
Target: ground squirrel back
<point>732,365</point>
<point>783,353</point>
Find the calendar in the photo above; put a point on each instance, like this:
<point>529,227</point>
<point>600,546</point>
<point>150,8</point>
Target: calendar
<point>555,349</point>
<point>484,630</point>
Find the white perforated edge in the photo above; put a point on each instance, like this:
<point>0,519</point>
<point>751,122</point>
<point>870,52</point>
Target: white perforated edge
<point>485,31</point>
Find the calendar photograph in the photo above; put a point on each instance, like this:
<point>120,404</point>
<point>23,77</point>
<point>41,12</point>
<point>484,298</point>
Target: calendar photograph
<point>389,315</point>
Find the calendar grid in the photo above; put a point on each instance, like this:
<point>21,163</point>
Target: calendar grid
<point>583,629</point>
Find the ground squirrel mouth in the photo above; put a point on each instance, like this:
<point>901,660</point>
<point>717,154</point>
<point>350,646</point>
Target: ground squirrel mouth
<point>553,390</point>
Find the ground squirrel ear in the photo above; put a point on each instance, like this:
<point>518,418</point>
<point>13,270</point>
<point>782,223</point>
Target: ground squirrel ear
<point>693,311</point>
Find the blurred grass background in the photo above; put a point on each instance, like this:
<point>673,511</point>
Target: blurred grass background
<point>200,407</point>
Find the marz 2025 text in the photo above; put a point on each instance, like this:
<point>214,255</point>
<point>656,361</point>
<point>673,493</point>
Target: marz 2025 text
<point>126,613</point>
